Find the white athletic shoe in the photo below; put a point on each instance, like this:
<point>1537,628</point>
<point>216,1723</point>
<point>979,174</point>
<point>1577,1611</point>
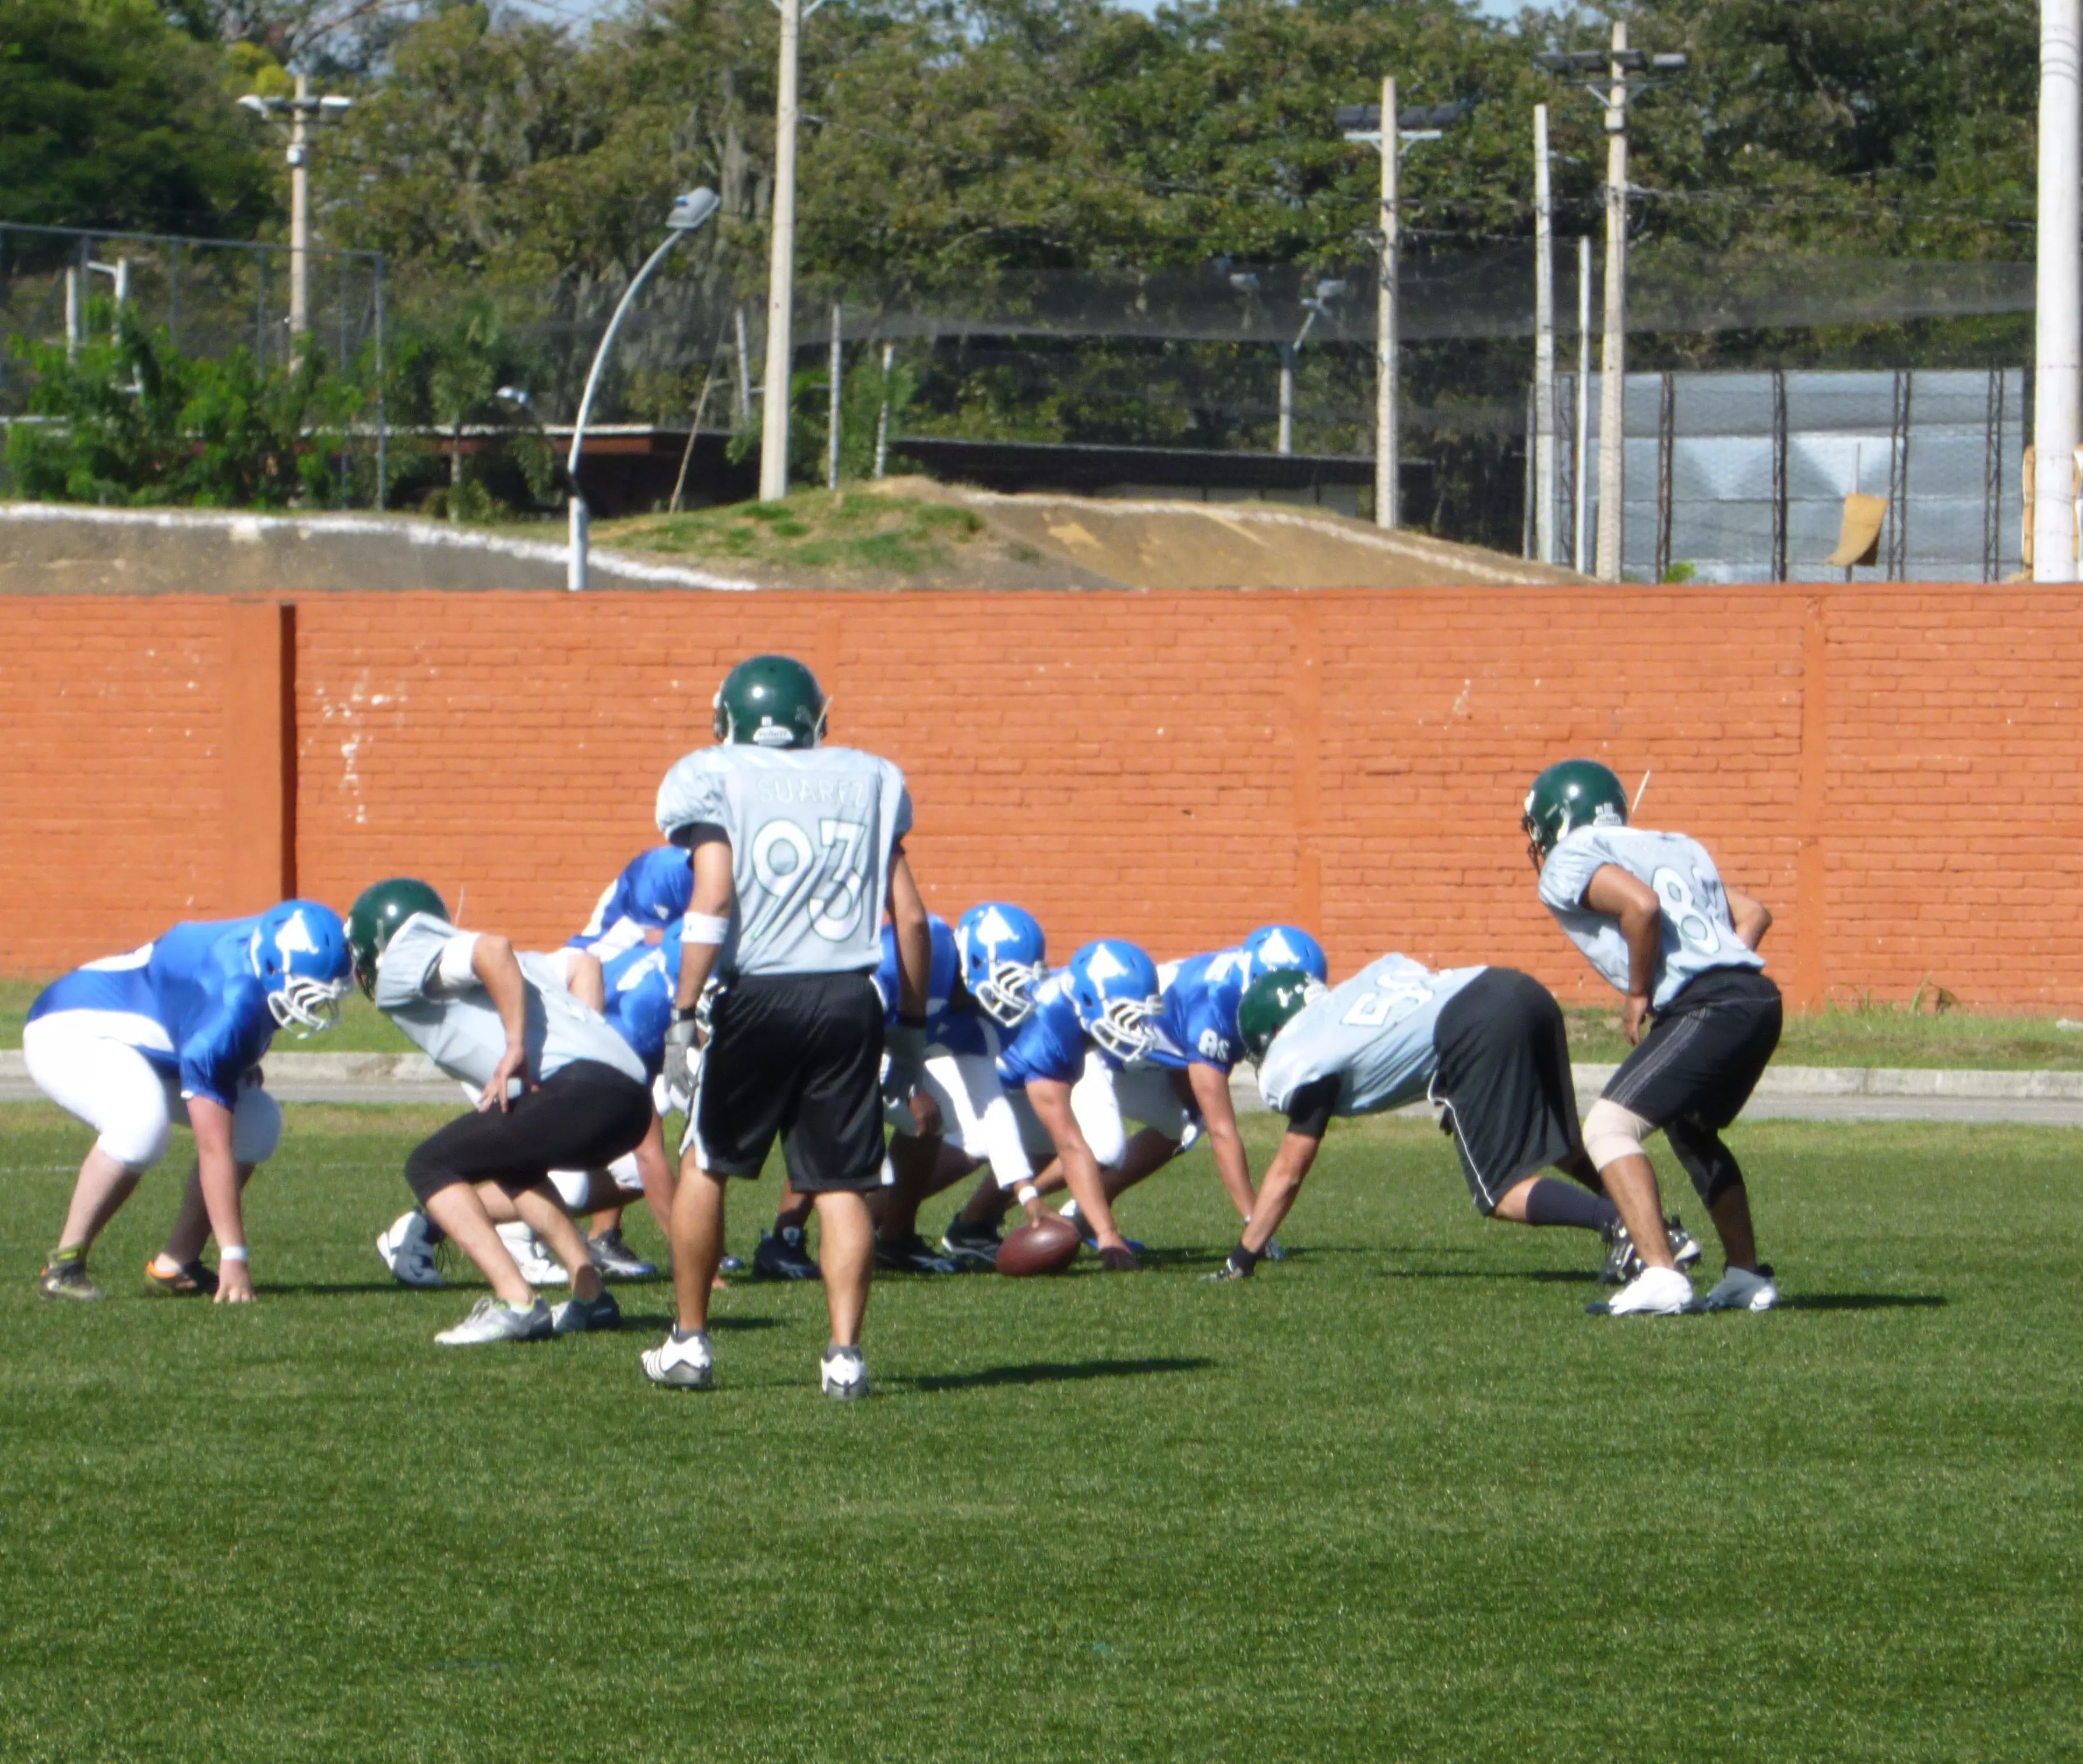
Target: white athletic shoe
<point>844,1374</point>
<point>490,1319</point>
<point>1740,1289</point>
<point>687,1365</point>
<point>532,1256</point>
<point>406,1253</point>
<point>1653,1292</point>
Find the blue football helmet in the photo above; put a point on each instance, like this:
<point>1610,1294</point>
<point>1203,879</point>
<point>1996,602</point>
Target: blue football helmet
<point>1114,986</point>
<point>298,951</point>
<point>1271,947</point>
<point>1004,955</point>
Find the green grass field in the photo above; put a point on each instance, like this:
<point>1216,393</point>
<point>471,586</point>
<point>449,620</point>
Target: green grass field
<point>1397,1498</point>
<point>1878,1036</point>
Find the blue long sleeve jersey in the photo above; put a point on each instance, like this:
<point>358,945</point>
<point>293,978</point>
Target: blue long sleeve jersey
<point>643,982</point>
<point>1199,1025</point>
<point>189,1001</point>
<point>952,1022</point>
<point>652,892</point>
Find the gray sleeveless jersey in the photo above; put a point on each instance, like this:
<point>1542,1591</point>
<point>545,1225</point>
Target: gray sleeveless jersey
<point>811,830</point>
<point>1373,1033</point>
<point>1697,931</point>
<point>462,1033</point>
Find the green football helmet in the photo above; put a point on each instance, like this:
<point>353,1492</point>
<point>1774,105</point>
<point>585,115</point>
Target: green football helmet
<point>1568,795</point>
<point>1267,1004</point>
<point>770,701</point>
<point>375,916</point>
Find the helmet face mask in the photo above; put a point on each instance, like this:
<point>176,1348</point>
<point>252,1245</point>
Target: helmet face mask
<point>1003,956</point>
<point>1570,794</point>
<point>770,701</point>
<point>1115,989</point>
<point>1270,1003</point>
<point>299,953</point>
<point>376,913</point>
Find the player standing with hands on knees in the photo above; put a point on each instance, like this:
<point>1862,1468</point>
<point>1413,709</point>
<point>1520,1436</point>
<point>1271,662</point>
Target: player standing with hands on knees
<point>1651,914</point>
<point>797,851</point>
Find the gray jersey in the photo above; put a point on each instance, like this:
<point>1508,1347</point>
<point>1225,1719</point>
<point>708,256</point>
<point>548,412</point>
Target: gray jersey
<point>1698,934</point>
<point>1372,1033</point>
<point>460,1031</point>
<point>811,830</point>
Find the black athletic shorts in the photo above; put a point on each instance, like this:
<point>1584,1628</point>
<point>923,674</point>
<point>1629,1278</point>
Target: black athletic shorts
<point>799,1055</point>
<point>583,1116</point>
<point>1704,1052</point>
<point>1504,1079</point>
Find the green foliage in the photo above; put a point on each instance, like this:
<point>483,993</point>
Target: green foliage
<point>847,531</point>
<point>1395,1497</point>
<point>132,421</point>
<point>110,116</point>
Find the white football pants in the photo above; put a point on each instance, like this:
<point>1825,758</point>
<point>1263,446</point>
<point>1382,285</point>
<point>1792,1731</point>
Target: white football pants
<point>976,1116</point>
<point>1104,1102</point>
<point>115,1090</point>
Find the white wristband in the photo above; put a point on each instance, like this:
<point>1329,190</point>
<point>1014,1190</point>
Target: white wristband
<point>1027,1193</point>
<point>234,1252</point>
<point>703,928</point>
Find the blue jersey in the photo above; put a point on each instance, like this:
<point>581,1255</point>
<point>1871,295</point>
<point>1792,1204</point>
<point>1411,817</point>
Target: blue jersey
<point>188,1001</point>
<point>651,893</point>
<point>643,985</point>
<point>1199,1025</point>
<point>959,1030</point>
<point>1051,1043</point>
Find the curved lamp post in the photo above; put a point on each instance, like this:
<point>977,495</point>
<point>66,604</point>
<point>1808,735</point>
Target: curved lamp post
<point>690,212</point>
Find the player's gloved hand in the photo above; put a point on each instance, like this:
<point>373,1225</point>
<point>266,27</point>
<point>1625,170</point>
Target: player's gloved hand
<point>1238,1268</point>
<point>905,1044</point>
<point>679,1070</point>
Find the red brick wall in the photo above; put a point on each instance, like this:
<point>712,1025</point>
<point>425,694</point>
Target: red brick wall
<point>1894,771</point>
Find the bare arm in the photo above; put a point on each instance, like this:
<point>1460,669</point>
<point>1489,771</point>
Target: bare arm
<point>1277,1192</point>
<point>1752,918</point>
<point>212,1122</point>
<point>589,984</point>
<point>498,969</point>
<point>914,938</point>
<point>1211,1095</point>
<point>715,894</point>
<point>1632,901</point>
<point>1051,1098</point>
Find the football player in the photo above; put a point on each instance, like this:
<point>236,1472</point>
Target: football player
<point>798,856</point>
<point>175,1031</point>
<point>1486,1044</point>
<point>558,1088</point>
<point>1652,915</point>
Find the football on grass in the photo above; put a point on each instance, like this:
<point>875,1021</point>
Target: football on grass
<point>1048,1248</point>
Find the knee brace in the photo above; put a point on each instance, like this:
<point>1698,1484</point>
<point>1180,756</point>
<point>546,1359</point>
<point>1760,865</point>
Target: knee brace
<point>1710,1164</point>
<point>1612,1133</point>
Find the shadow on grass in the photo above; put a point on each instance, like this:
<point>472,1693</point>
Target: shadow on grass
<point>718,1325</point>
<point>1863,1301</point>
<point>1054,1371</point>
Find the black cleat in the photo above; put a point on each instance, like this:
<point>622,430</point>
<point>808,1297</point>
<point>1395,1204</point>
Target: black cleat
<point>970,1246</point>
<point>781,1256</point>
<point>66,1277</point>
<point>1622,1264</point>
<point>190,1280</point>
<point>911,1255</point>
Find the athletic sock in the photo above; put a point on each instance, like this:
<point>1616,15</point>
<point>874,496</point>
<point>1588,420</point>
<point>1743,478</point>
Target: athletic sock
<point>684,1335</point>
<point>68,1252</point>
<point>1551,1202</point>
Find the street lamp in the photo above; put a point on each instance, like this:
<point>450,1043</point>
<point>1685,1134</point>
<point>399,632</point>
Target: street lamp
<point>1316,305</point>
<point>690,212</point>
<point>1363,123</point>
<point>302,110</point>
<point>1628,73</point>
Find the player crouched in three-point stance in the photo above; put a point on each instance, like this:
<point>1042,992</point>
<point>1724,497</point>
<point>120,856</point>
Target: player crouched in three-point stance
<point>559,1089</point>
<point>797,854</point>
<point>175,1031</point>
<point>1651,912</point>
<point>1486,1044</point>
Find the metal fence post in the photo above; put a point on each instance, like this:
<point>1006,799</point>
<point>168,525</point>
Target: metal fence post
<point>1779,474</point>
<point>1992,477</point>
<point>1898,543</point>
<point>383,427</point>
<point>1666,440</point>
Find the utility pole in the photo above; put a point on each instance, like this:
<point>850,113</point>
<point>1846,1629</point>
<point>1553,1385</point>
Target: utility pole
<point>301,111</point>
<point>1543,346</point>
<point>1582,496</point>
<point>1622,68</point>
<point>1385,128</point>
<point>2058,339</point>
<point>882,422</point>
<point>781,260</point>
<point>832,421</point>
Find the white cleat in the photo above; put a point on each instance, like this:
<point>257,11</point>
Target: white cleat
<point>491,1320</point>
<point>1653,1292</point>
<point>844,1375</point>
<point>406,1253</point>
<point>1742,1289</point>
<point>532,1256</point>
<point>683,1362</point>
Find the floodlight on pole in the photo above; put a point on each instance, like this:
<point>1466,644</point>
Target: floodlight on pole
<point>1362,123</point>
<point>1316,305</point>
<point>1628,73</point>
<point>689,214</point>
<point>298,113</point>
